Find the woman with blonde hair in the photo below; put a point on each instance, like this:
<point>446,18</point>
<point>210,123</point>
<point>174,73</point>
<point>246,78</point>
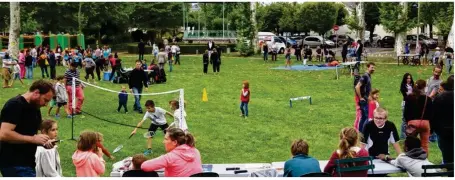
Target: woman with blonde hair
<point>347,149</point>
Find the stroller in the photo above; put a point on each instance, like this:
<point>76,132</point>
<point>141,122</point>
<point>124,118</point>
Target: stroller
<point>156,74</point>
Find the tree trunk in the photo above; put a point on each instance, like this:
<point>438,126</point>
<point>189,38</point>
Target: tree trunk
<point>371,35</point>
<point>431,30</point>
<point>254,26</point>
<point>79,17</point>
<point>399,43</point>
<point>450,37</point>
<point>14,29</point>
<point>361,17</point>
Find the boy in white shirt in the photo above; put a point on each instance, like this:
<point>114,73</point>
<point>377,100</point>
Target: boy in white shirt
<point>15,75</point>
<point>158,117</point>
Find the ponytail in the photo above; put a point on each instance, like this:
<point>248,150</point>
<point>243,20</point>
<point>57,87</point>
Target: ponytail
<point>189,139</point>
<point>344,147</point>
<point>348,139</point>
<point>177,134</point>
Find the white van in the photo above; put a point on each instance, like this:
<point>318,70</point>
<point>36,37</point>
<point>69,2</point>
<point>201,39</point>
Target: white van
<point>269,38</point>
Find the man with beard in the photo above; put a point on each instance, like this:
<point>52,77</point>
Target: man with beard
<point>20,120</point>
<point>363,89</point>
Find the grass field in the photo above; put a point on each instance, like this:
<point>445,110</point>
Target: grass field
<point>221,135</point>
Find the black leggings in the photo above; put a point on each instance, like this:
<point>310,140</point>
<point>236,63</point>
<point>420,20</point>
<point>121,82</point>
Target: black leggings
<point>205,68</point>
<point>89,71</point>
<point>99,67</point>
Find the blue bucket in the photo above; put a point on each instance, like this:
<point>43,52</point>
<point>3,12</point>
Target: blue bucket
<point>106,76</point>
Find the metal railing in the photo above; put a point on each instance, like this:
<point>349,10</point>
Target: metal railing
<point>208,34</point>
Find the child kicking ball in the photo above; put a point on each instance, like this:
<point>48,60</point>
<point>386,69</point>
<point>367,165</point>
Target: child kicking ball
<point>158,117</point>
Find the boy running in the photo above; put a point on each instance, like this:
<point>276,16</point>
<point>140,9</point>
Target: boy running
<point>157,115</point>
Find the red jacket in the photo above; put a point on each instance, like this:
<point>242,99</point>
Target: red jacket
<point>331,165</point>
<point>245,95</point>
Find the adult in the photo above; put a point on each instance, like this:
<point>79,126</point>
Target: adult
<point>449,58</point>
<point>22,64</point>
<point>359,50</point>
<point>406,86</point>
<point>344,51</point>
<point>347,149</point>
<point>141,48</point>
<point>58,54</point>
<point>442,123</point>
<point>265,51</point>
<point>71,73</point>
<point>413,158</point>
<point>363,89</point>
<point>7,65</point>
<point>274,51</point>
<point>137,80</point>
<point>418,111</point>
<point>378,134</point>
<point>215,61</point>
<point>205,61</point>
<point>28,65</point>
<point>298,52</point>
<point>161,59</point>
<point>52,63</point>
<point>99,62</point>
<point>182,158</point>
<point>210,47</point>
<point>301,163</point>
<point>433,82</point>
<point>18,130</point>
<point>113,62</point>
<point>89,68</point>
<point>34,55</point>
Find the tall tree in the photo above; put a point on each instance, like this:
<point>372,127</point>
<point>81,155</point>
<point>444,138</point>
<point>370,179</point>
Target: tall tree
<point>320,16</point>
<point>444,23</point>
<point>372,15</point>
<point>361,16</point>
<point>271,15</point>
<point>14,29</point>
<point>245,30</point>
<point>342,14</point>
<point>395,19</point>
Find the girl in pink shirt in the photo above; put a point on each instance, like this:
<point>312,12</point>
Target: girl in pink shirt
<point>373,103</point>
<point>182,159</point>
<point>22,64</point>
<point>88,158</point>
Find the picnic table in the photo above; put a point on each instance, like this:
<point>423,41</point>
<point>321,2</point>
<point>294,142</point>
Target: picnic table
<point>414,58</point>
<point>380,167</point>
<point>350,65</point>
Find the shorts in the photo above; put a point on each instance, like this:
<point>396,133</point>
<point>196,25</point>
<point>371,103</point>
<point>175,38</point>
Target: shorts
<point>154,127</point>
<point>52,103</point>
<point>6,74</point>
<point>61,104</point>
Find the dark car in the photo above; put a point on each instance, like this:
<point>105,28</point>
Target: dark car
<point>341,39</point>
<point>387,41</point>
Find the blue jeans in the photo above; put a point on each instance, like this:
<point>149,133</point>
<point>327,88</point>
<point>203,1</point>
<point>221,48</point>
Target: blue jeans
<point>34,62</point>
<point>170,65</point>
<point>359,57</point>
<point>18,171</point>
<point>364,116</point>
<point>449,65</point>
<point>403,123</point>
<point>29,72</point>
<point>244,108</point>
<point>44,70</point>
<point>137,98</point>
<point>266,56</point>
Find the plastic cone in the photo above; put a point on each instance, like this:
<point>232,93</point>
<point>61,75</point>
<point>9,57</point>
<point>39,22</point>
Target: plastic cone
<point>204,95</point>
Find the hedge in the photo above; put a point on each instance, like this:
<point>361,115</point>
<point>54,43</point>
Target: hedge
<point>184,48</point>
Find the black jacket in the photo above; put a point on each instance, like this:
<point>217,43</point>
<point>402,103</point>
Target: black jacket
<point>205,59</point>
<point>52,62</point>
<point>344,51</point>
<point>443,118</point>
<point>413,108</point>
<point>141,46</point>
<point>28,60</point>
<point>214,58</point>
<point>360,50</point>
<point>211,48</point>
<point>137,79</point>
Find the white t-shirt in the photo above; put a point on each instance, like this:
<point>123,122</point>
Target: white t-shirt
<point>158,117</point>
<point>180,123</point>
<point>174,49</point>
<point>33,53</point>
<point>16,69</point>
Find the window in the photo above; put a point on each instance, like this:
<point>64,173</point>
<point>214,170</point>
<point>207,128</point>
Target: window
<point>312,39</point>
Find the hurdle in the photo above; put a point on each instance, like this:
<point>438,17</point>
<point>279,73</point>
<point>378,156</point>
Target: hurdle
<point>299,98</point>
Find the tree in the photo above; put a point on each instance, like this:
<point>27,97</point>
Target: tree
<point>342,14</point>
<point>245,30</point>
<point>372,15</point>
<point>14,29</point>
<point>270,17</point>
<point>394,18</point>
<point>290,20</point>
<point>444,23</point>
<point>320,16</point>
<point>429,12</point>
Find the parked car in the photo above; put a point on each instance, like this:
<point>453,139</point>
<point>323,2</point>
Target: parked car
<point>269,38</point>
<point>412,39</point>
<point>340,39</point>
<point>376,38</point>
<point>387,41</point>
<point>298,39</point>
<point>314,41</point>
<point>288,41</point>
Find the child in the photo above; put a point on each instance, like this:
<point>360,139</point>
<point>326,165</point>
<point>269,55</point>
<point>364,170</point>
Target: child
<point>245,99</point>
<point>288,58</point>
<point>88,158</point>
<point>436,56</point>
<point>157,115</point>
<point>99,144</point>
<point>62,96</point>
<point>53,101</point>
<point>122,99</point>
<point>373,102</point>
<point>319,53</point>
<point>178,122</point>
<point>16,74</point>
<point>137,161</point>
<point>48,160</point>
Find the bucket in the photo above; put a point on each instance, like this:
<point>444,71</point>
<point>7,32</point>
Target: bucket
<point>106,76</point>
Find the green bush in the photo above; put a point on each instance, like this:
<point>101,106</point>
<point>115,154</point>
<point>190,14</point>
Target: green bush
<point>184,48</point>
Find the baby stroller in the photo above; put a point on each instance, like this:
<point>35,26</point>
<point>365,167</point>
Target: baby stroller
<point>156,75</point>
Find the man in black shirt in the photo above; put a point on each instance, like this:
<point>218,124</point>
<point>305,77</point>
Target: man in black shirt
<point>20,120</point>
<point>378,134</point>
<point>141,47</point>
<point>136,80</point>
<point>362,90</point>
<point>359,50</point>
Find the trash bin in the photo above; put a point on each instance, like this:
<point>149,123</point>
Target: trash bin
<point>106,75</point>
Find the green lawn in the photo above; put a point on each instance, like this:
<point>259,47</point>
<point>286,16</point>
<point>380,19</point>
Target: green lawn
<point>221,135</point>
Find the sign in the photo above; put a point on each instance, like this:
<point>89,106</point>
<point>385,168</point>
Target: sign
<point>335,28</point>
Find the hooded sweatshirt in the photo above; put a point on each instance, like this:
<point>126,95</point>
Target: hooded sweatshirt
<point>412,161</point>
<point>88,164</point>
<point>47,162</point>
<point>183,161</point>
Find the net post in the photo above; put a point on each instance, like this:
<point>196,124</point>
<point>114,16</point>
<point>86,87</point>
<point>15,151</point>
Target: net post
<point>182,107</point>
<point>73,105</point>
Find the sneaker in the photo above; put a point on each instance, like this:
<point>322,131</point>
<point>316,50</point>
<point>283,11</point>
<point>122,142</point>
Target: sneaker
<point>57,116</point>
<point>147,152</point>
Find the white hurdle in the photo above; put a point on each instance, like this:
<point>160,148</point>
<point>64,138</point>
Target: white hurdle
<point>299,98</point>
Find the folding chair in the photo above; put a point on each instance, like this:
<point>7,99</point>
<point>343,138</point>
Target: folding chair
<point>321,174</point>
<point>206,174</point>
<point>448,173</point>
<point>340,169</point>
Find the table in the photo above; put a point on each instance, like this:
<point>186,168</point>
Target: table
<point>350,65</point>
<point>220,169</point>
<point>380,167</point>
<point>413,56</point>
